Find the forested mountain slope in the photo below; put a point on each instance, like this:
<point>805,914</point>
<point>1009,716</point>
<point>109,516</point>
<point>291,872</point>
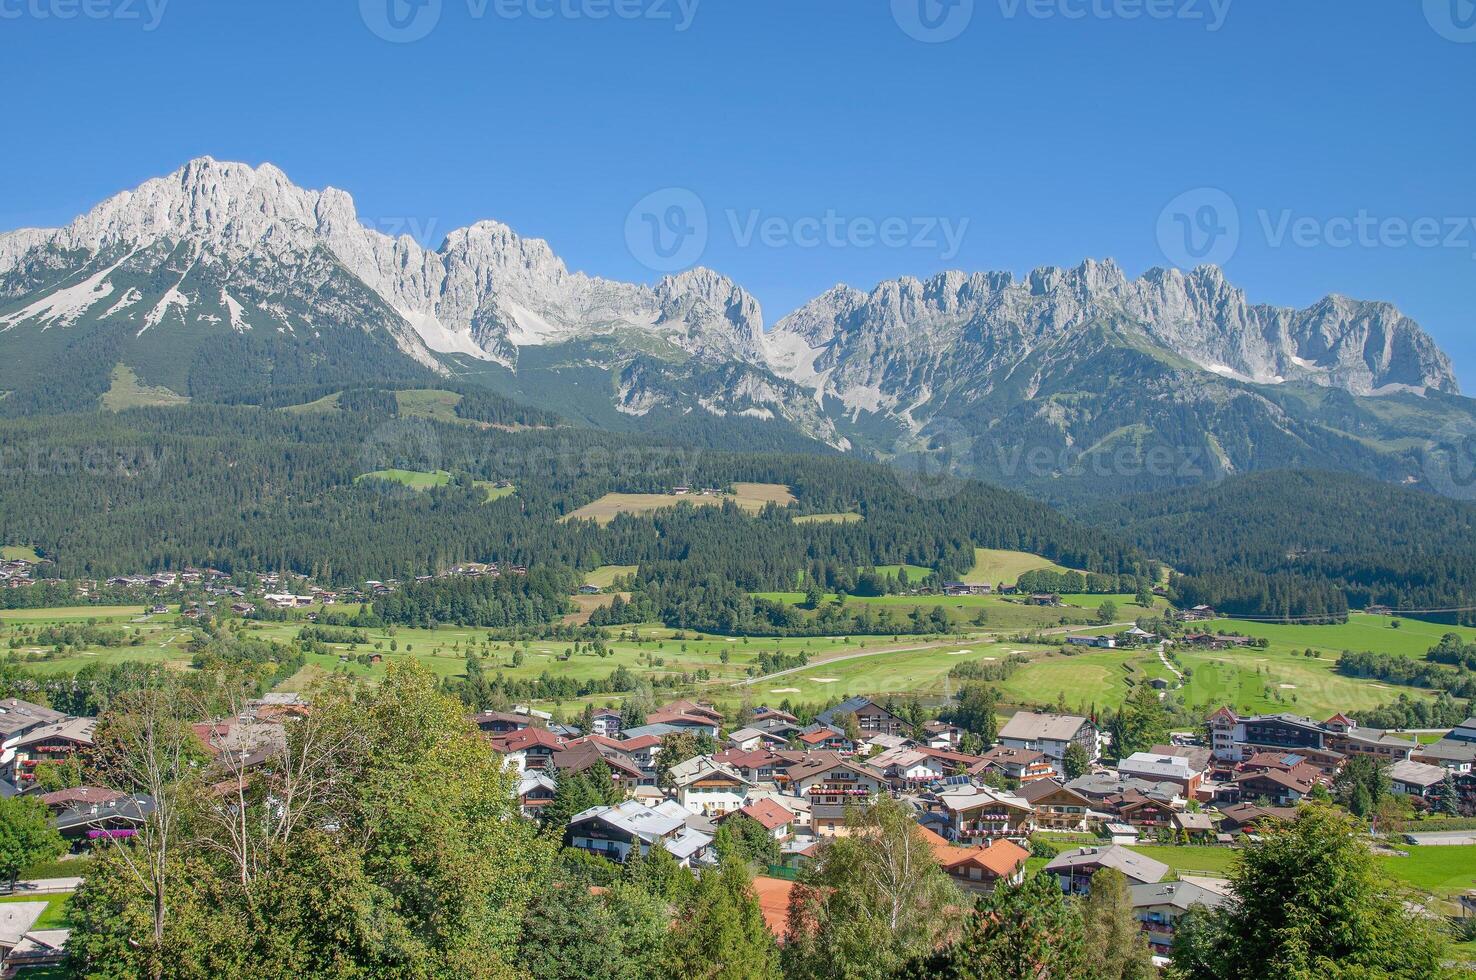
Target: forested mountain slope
<point>1377,543</point>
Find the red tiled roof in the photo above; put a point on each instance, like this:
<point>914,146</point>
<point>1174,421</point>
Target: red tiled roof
<point>768,813</point>
<point>638,743</point>
<point>1003,857</point>
<point>747,758</point>
<point>527,738</point>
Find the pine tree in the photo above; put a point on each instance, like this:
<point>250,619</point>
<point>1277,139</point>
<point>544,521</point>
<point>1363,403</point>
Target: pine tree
<point>722,935</point>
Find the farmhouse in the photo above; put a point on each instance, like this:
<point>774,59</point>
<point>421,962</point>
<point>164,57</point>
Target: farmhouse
<point>1074,869</point>
<point>1160,905</point>
<point>1022,765</point>
<point>977,869</point>
<point>708,788</point>
<point>1056,807</point>
<point>978,813</point>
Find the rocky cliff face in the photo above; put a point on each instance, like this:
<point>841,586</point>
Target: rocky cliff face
<point>486,292</point>
<point>1075,355</point>
<point>908,342</point>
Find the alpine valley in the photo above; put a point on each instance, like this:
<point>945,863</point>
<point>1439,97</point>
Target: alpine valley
<point>227,283</point>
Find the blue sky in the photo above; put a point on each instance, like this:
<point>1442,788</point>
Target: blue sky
<point>1042,132</point>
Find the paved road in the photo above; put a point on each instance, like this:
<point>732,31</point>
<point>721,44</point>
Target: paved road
<point>46,886</point>
<point>904,649</point>
<point>1447,838</point>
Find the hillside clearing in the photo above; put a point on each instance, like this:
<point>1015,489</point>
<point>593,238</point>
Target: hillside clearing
<point>128,392</point>
<point>752,497</point>
<point>993,566</point>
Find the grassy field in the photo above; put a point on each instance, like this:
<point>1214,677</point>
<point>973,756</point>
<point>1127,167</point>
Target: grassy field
<point>494,492</point>
<point>751,497</point>
<point>1000,613</point>
<point>159,639</point>
<point>421,480</point>
<point>11,552</point>
<point>429,403</point>
<point>128,392</point>
<point>71,614</point>
<point>993,566</point>
<point>658,652</point>
<point>56,915</point>
<point>328,403</point>
<point>919,665</point>
<point>1361,632</point>
<point>605,576</point>
<point>915,573</point>
<point>1275,679</point>
<point>414,479</point>
<point>829,519</point>
<point>1442,871</point>
<point>1093,677</point>
<point>1279,679</point>
<point>1192,859</point>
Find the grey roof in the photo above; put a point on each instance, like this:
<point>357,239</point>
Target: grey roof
<point>17,716</point>
<point>1030,726</point>
<point>1179,894</point>
<point>1416,773</point>
<point>77,729</point>
<point>847,707</point>
<point>1163,767</point>
<point>1379,736</point>
<point>961,799</point>
<point>1099,784</point>
<point>659,729</point>
<point>1132,864</point>
<point>1450,750</point>
<point>1040,788</point>
<point>130,809</point>
<point>700,767</point>
<point>651,824</point>
<point>16,919</point>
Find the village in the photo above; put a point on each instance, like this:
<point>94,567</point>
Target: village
<point>1040,796</point>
